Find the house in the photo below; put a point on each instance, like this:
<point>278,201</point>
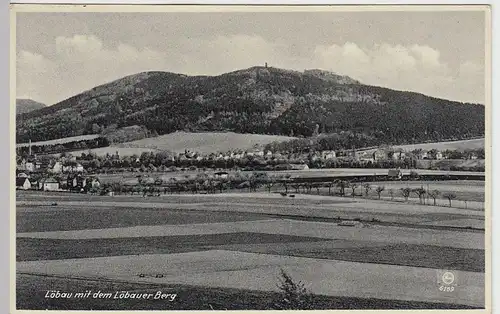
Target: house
<point>57,167</point>
<point>422,155</point>
<point>49,184</point>
<point>315,157</point>
<point>351,153</point>
<point>366,157</point>
<point>72,158</point>
<point>269,154</point>
<point>258,152</point>
<point>299,167</point>
<point>73,167</point>
<point>398,154</point>
<point>472,156</point>
<point>439,155</point>
<point>221,175</point>
<point>379,154</point>
<point>328,154</point>
<point>29,166</point>
<point>148,181</point>
<point>41,165</point>
<point>395,174</point>
<point>76,182</point>
<point>23,183</point>
<point>93,182</point>
<point>189,154</point>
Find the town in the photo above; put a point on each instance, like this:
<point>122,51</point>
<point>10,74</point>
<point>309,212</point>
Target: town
<point>66,172</point>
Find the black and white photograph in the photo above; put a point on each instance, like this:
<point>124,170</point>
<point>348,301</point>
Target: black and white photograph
<point>250,157</point>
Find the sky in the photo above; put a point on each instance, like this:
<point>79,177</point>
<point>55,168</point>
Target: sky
<point>440,54</point>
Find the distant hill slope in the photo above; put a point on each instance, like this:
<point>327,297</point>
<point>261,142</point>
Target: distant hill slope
<point>257,100</point>
<point>204,142</point>
<point>196,142</point>
<point>27,105</point>
<point>454,145</point>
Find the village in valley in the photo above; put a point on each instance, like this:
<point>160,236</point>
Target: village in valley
<point>68,172</point>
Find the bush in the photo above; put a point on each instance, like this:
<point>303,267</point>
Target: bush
<point>293,295</point>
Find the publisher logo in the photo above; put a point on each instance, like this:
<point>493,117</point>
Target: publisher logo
<point>447,281</point>
<point>448,278</point>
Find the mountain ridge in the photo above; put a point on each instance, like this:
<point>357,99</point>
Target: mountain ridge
<point>262,100</point>
<point>24,105</point>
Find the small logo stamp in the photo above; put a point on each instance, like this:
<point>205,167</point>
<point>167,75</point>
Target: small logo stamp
<point>447,281</point>
<point>448,278</point>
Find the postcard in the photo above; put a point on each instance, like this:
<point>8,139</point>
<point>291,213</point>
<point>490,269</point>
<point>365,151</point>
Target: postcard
<point>218,157</point>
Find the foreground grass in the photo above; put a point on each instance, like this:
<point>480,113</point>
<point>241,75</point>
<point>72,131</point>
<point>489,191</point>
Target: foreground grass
<point>31,291</point>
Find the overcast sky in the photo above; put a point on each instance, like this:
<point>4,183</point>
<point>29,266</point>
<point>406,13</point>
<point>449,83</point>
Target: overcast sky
<point>440,54</point>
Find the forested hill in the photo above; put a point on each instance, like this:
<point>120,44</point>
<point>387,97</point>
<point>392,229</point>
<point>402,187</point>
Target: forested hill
<point>255,100</point>
<point>27,105</point>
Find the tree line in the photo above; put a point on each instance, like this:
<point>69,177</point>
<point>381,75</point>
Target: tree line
<point>63,147</point>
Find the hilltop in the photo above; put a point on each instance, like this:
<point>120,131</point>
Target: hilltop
<point>258,100</point>
<point>27,105</point>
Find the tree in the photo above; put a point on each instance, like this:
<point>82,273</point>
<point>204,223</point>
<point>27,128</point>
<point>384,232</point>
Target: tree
<point>270,182</point>
<point>316,130</point>
<point>285,185</point>
<point>329,185</point>
<point>434,194</point>
<point>406,193</point>
<point>342,184</point>
<point>353,187</point>
<point>420,193</point>
<point>391,193</point>
<point>367,188</point>
<point>379,190</point>
<point>450,197</point>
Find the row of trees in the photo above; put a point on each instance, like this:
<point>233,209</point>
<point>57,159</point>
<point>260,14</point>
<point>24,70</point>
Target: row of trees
<point>63,147</point>
<point>203,183</point>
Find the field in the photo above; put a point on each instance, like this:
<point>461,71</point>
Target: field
<point>312,173</point>
<point>199,142</point>
<point>61,140</point>
<point>452,145</point>
<point>236,243</point>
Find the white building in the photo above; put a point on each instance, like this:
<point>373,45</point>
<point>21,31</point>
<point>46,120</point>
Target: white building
<point>329,154</point>
<point>49,184</point>
<point>23,183</point>
<point>57,168</point>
